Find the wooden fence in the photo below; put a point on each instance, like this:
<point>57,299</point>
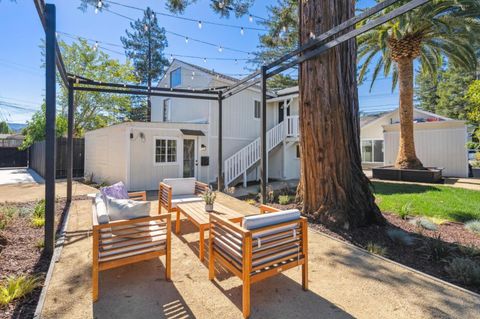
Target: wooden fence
<point>37,157</point>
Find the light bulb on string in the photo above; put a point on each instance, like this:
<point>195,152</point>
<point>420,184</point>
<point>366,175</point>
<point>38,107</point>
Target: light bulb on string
<point>220,49</point>
<point>99,4</point>
<point>284,29</point>
<point>186,40</point>
<point>236,61</point>
<point>153,16</point>
<point>96,10</point>
<point>199,24</point>
<point>221,4</point>
<point>250,18</point>
<point>95,46</point>
<point>171,57</point>
<point>145,27</point>
<point>205,60</point>
<point>242,31</point>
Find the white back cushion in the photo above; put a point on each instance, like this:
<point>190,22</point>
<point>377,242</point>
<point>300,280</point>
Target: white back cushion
<point>259,221</point>
<point>181,186</point>
<point>120,209</point>
<point>101,210</point>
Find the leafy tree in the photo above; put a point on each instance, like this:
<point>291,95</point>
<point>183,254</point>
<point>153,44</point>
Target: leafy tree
<point>144,45</point>
<point>439,28</point>
<point>95,109</point>
<point>4,128</point>
<point>35,129</point>
<point>473,98</point>
<point>426,90</point>
<point>280,81</point>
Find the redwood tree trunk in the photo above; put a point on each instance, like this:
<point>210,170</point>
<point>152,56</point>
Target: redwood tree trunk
<point>333,187</point>
<point>406,158</point>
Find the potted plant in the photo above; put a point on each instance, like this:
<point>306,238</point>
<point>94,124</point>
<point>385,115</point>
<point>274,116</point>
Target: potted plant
<point>476,165</point>
<point>209,198</point>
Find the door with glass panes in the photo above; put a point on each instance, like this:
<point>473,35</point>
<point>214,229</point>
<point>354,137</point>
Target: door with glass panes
<point>190,161</point>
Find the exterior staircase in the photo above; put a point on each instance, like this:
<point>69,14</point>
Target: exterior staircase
<point>238,164</point>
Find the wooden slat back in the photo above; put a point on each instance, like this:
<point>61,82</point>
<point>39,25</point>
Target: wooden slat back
<point>200,188</point>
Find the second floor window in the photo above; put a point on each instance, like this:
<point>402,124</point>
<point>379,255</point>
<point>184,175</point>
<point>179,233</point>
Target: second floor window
<point>166,110</point>
<point>175,77</point>
<point>257,109</point>
<point>165,151</point>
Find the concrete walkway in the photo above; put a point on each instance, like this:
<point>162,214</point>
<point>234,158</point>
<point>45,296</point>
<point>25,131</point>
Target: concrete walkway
<point>19,176</point>
<point>344,282</point>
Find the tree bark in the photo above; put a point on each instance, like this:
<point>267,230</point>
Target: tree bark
<point>406,157</point>
<point>333,187</point>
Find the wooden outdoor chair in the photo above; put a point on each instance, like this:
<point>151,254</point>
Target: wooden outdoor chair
<point>123,242</point>
<point>174,191</point>
<point>259,253</point>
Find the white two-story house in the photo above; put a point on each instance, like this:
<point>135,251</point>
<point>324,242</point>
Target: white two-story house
<point>182,138</point>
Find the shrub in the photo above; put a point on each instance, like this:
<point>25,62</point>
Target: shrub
<point>435,249</point>
<point>6,214</point>
<point>464,270</point>
<point>40,244</point>
<point>15,287</point>
<point>470,250</point>
<point>38,218</point>
<point>424,223</point>
<point>400,237</point>
<point>376,249</point>
<point>473,226</point>
<point>251,201</point>
<point>405,210</point>
<point>284,199</point>
<point>270,194</point>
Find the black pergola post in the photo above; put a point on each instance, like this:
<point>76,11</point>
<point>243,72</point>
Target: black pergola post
<point>70,141</point>
<point>220,138</point>
<point>50,101</point>
<point>263,138</point>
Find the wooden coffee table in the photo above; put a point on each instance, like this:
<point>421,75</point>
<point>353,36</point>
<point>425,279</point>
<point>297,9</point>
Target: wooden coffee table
<point>196,213</point>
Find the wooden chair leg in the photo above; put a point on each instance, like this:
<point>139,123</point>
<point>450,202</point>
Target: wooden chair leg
<point>305,275</point>
<point>211,261</point>
<point>246,298</point>
<point>168,255</point>
<point>94,284</point>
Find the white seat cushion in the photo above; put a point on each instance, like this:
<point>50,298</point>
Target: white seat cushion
<point>126,209</point>
<point>181,186</point>
<point>179,199</point>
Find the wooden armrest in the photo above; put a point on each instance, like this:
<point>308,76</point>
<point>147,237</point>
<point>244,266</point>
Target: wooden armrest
<point>268,209</point>
<point>138,195</point>
<point>221,222</point>
<point>200,188</point>
<point>116,223</point>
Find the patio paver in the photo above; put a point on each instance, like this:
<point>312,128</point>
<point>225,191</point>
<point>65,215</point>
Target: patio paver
<point>345,282</point>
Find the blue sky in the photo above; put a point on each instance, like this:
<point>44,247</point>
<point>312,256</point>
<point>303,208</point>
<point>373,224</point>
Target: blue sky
<point>22,81</point>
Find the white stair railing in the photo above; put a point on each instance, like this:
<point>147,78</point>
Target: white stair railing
<point>240,162</point>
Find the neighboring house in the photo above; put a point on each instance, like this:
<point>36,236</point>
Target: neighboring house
<point>11,140</point>
<point>182,138</point>
<point>439,141</point>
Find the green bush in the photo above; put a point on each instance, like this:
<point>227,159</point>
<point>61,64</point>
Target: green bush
<point>464,270</point>
<point>405,210</point>
<point>473,226</point>
<point>284,199</point>
<point>6,214</point>
<point>251,201</point>
<point>435,249</point>
<point>400,237</point>
<point>376,249</point>
<point>470,250</point>
<point>15,287</point>
<point>38,218</point>
<point>424,223</point>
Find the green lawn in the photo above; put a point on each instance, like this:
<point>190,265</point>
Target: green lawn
<point>443,202</point>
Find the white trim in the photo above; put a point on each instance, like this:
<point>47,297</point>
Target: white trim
<point>127,159</point>
<point>167,138</point>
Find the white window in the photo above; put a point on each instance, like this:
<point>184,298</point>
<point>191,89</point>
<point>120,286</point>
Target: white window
<point>176,78</point>
<point>165,151</point>
<point>166,110</point>
<point>372,151</point>
<point>257,109</point>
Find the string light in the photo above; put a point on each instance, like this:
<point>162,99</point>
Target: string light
<point>199,24</point>
<point>242,31</point>
<point>153,15</point>
<point>95,46</point>
<point>145,27</point>
<point>99,4</point>
<point>205,60</point>
<point>250,18</point>
<point>220,49</point>
<point>186,40</point>
<point>96,10</point>
<point>236,61</point>
<point>284,29</point>
<point>221,4</point>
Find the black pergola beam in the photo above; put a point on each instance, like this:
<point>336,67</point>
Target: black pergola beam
<point>40,6</point>
<point>70,118</point>
<point>220,138</point>
<point>242,81</point>
<point>349,35</point>
<point>50,141</point>
<point>85,81</point>
<point>141,92</point>
<point>263,138</point>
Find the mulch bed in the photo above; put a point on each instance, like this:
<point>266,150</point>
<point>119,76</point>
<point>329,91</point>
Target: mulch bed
<point>19,255</point>
<point>453,235</point>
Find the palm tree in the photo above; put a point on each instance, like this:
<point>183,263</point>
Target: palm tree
<point>437,30</point>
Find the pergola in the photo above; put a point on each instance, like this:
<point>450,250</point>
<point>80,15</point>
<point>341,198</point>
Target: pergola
<point>53,61</point>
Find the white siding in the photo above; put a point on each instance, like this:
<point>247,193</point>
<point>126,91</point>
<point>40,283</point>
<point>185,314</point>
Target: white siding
<point>106,155</point>
<point>440,144</point>
<point>292,167</point>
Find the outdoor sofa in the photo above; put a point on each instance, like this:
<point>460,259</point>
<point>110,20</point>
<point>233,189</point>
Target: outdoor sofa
<point>173,191</point>
<point>121,242</point>
<point>263,246</point>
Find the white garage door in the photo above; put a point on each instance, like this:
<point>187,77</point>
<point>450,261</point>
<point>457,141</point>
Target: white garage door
<point>439,144</point>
